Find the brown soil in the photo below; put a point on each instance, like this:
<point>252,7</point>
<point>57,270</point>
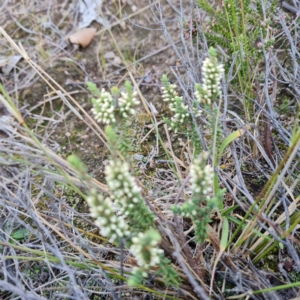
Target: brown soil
<point>140,40</point>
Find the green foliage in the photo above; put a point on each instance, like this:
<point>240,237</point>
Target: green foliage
<point>181,121</point>
<point>16,232</point>
<point>128,88</point>
<point>195,140</point>
<point>124,146</point>
<point>202,203</point>
<point>165,81</point>
<point>215,127</point>
<point>181,116</point>
<point>166,270</point>
<point>148,256</point>
<point>206,6</point>
<point>199,210</point>
<point>118,142</point>
<point>140,218</point>
<point>240,28</point>
<point>113,139</point>
<point>20,234</point>
<point>115,91</point>
<point>127,195</point>
<point>137,278</point>
<point>93,89</point>
<point>203,179</point>
<point>77,163</point>
<point>284,106</point>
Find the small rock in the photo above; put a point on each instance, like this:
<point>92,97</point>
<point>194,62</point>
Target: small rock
<point>288,265</point>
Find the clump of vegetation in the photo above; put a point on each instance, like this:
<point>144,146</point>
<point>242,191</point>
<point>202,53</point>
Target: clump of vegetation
<point>131,216</point>
<point>206,213</point>
<point>234,28</point>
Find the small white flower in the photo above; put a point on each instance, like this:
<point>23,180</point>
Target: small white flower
<point>201,175</point>
<point>128,101</point>
<point>144,248</point>
<point>103,108</point>
<point>110,225</point>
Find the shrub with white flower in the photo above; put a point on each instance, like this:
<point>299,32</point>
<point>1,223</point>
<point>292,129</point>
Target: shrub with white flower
<point>104,108</point>
<point>176,105</point>
<point>209,95</point>
<point>145,249</point>
<point>202,202</point>
<point>202,175</point>
<point>127,101</point>
<point>124,217</point>
<point>111,225</point>
<point>210,89</point>
<point>127,195</point>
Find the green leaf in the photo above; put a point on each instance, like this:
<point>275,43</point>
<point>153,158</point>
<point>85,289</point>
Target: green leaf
<point>112,138</point>
<point>93,89</point>
<point>115,91</point>
<point>231,137</point>
<point>20,234</point>
<point>77,163</point>
<point>226,212</point>
<point>234,220</point>
<point>225,234</point>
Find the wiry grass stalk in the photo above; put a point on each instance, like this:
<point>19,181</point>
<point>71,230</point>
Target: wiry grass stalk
<point>77,255</point>
<point>267,192</point>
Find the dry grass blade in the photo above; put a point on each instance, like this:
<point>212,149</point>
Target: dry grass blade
<point>230,117</point>
<point>49,79</point>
